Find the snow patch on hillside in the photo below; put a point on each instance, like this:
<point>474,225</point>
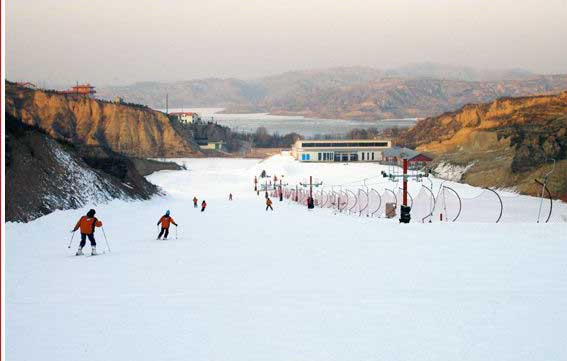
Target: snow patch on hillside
<point>451,172</point>
<point>78,185</point>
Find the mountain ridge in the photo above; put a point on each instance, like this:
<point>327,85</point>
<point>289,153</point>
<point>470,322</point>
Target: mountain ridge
<point>364,93</point>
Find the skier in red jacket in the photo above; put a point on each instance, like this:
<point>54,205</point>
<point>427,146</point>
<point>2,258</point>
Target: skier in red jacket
<point>87,225</point>
<point>165,221</point>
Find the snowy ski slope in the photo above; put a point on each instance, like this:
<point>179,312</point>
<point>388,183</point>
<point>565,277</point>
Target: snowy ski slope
<point>240,283</point>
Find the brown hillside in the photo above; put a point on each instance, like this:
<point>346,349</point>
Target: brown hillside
<point>128,129</point>
<point>507,143</point>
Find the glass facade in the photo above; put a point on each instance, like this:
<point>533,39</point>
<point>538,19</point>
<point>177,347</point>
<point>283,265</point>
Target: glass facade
<point>324,156</point>
<point>344,145</point>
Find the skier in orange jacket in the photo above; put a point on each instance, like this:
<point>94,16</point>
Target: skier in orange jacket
<point>87,225</point>
<point>165,221</point>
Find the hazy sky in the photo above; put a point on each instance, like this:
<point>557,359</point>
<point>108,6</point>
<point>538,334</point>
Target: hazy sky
<point>122,41</point>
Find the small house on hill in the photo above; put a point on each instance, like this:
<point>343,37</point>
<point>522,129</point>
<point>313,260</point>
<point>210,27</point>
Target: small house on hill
<point>212,146</point>
<point>186,117</point>
<point>80,90</point>
<point>396,155</point>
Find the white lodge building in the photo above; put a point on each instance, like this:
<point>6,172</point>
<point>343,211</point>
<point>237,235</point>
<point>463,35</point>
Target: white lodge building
<point>339,150</point>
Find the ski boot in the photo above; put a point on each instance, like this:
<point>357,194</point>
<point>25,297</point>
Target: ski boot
<point>93,251</point>
<point>79,252</point>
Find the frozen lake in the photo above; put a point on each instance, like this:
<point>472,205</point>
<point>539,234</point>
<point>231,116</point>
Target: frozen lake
<point>284,124</point>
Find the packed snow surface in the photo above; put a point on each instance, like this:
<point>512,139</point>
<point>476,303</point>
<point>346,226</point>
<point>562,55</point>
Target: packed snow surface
<point>238,283</point>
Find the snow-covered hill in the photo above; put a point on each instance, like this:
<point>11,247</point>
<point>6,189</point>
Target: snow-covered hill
<point>240,283</point>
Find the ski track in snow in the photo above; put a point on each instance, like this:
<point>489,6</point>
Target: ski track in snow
<point>240,283</point>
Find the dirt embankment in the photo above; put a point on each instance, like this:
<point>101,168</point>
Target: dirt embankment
<point>506,143</point>
<point>149,166</point>
<point>128,129</point>
<point>44,174</point>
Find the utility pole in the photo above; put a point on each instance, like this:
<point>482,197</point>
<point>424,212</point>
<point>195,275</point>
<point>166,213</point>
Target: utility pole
<point>166,103</point>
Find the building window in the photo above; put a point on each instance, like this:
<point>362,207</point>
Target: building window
<point>362,155</point>
<point>319,156</point>
<point>331,144</point>
<point>372,155</point>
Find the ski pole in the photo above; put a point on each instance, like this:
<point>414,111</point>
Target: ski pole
<point>175,232</point>
<point>106,239</point>
<point>71,241</point>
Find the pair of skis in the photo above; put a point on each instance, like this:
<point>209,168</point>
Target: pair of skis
<point>90,254</point>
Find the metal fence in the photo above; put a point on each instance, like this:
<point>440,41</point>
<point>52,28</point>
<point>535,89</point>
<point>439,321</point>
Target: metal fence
<point>429,203</point>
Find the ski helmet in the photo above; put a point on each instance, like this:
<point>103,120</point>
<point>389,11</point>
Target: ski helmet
<point>91,213</point>
<point>167,212</point>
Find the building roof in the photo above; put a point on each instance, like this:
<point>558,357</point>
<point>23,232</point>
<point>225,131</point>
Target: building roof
<point>340,141</point>
<point>181,113</point>
<point>351,143</point>
<point>400,152</point>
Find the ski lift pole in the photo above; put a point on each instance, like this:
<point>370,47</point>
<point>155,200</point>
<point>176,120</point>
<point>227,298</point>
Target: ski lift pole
<point>405,183</point>
<point>106,239</point>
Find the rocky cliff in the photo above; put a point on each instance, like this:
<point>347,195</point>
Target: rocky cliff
<point>128,129</point>
<point>505,143</point>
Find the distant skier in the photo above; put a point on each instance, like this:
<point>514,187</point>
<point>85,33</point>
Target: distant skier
<point>269,204</point>
<point>165,221</point>
<point>203,206</point>
<point>195,201</point>
<point>230,197</point>
<point>87,225</point>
